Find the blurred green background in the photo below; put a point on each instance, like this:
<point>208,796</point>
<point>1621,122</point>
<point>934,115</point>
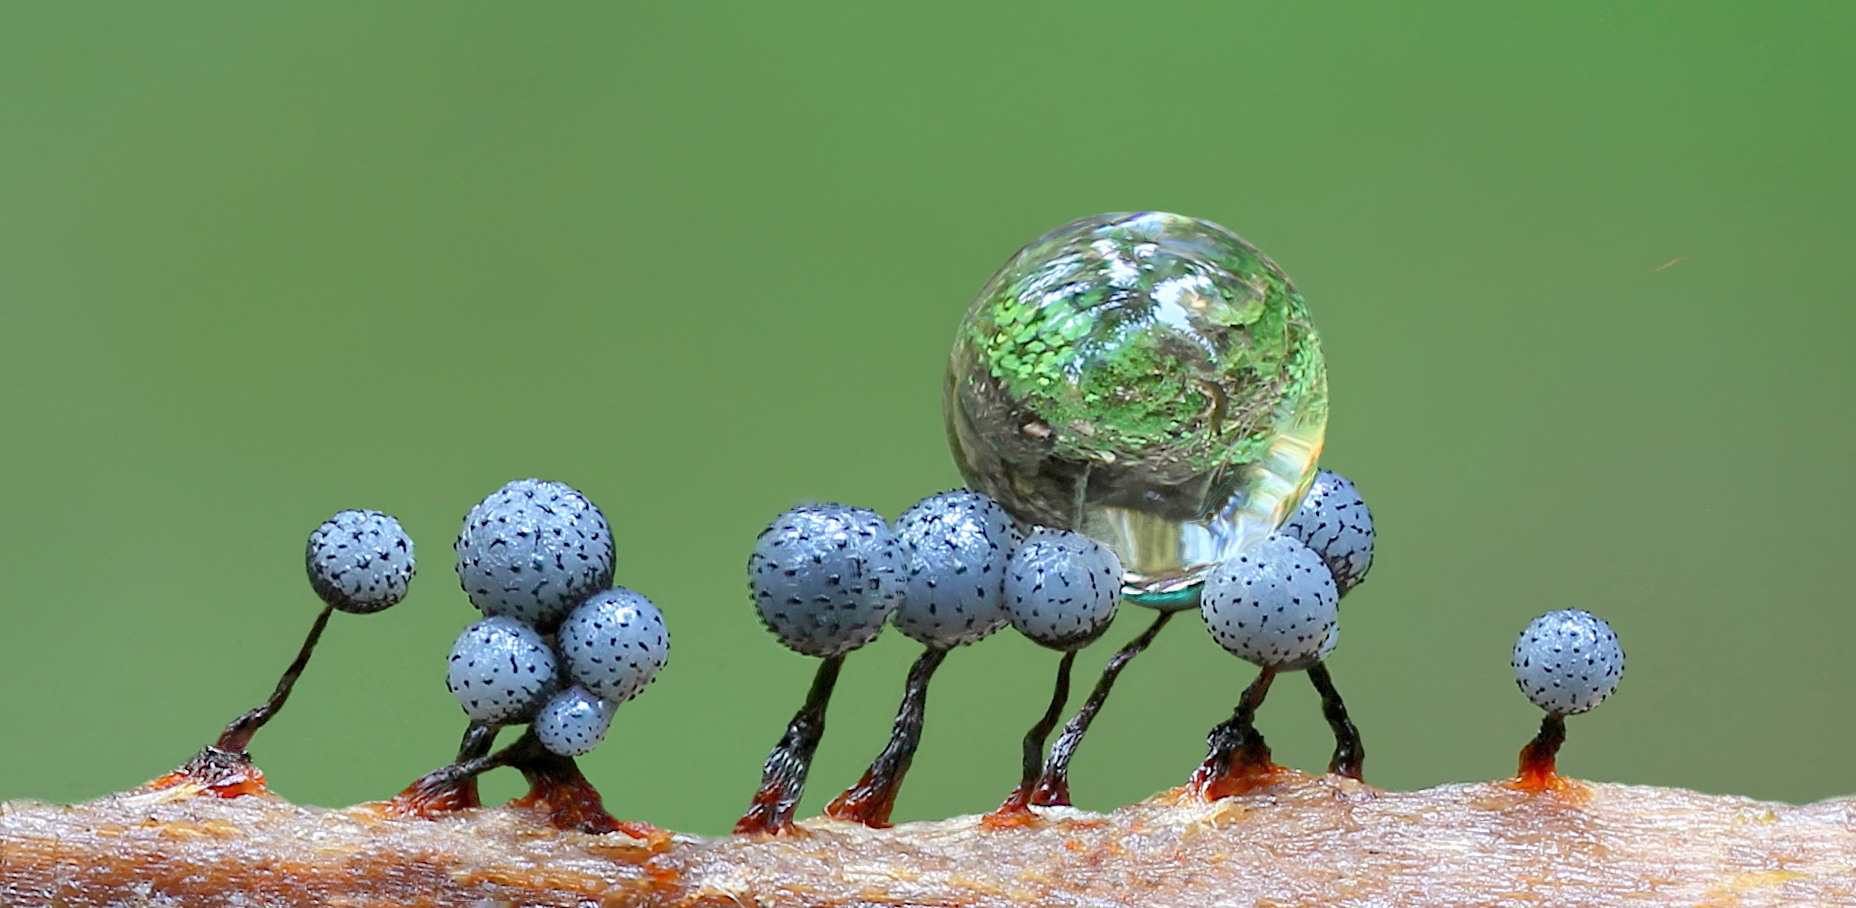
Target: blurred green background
<point>259,263</point>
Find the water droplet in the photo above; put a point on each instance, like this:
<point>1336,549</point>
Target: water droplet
<point>1150,380</point>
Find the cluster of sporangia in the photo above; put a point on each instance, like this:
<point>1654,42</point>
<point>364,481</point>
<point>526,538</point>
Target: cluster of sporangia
<point>559,648</point>
<point>956,568</point>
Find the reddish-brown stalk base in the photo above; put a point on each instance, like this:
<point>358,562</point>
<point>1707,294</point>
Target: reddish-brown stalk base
<point>1538,770</point>
<point>438,792</point>
<point>1538,774</point>
<point>764,817</point>
<point>559,790</point>
<point>1249,770</point>
<point>1051,792</point>
<point>1015,813</point>
<point>1239,760</point>
<point>215,772</point>
<point>869,802</point>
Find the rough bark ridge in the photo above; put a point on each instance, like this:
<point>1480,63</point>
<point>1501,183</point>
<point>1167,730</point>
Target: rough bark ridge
<point>1294,841</point>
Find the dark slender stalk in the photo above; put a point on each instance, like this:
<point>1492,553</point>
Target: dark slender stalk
<point>870,801</point>
<point>783,779</point>
<point>1349,752</point>
<point>1053,788</point>
<point>237,736</point>
<point>478,739</point>
<point>1238,755</point>
<point>454,787</point>
<point>1538,767</point>
<point>1016,805</point>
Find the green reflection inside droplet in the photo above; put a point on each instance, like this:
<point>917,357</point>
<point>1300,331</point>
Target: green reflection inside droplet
<point>1148,379</point>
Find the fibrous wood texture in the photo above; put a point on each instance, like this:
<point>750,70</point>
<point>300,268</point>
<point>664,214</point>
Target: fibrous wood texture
<point>1296,841</point>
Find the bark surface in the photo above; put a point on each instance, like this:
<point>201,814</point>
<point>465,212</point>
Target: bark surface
<point>1295,841</point>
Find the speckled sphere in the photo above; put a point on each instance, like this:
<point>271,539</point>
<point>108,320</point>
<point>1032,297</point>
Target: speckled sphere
<point>501,671</point>
<point>958,542</point>
<point>614,643</point>
<point>1568,661</point>
<point>359,561</point>
<point>1274,605</point>
<point>533,550</point>
<point>1061,588</point>
<point>825,577</point>
<point>573,721</point>
<point>1334,520</point>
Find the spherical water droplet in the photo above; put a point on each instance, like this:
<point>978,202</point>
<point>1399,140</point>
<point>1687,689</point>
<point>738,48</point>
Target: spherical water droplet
<point>1150,380</point>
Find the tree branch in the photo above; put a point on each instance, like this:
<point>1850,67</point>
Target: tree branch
<point>1294,841</point>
